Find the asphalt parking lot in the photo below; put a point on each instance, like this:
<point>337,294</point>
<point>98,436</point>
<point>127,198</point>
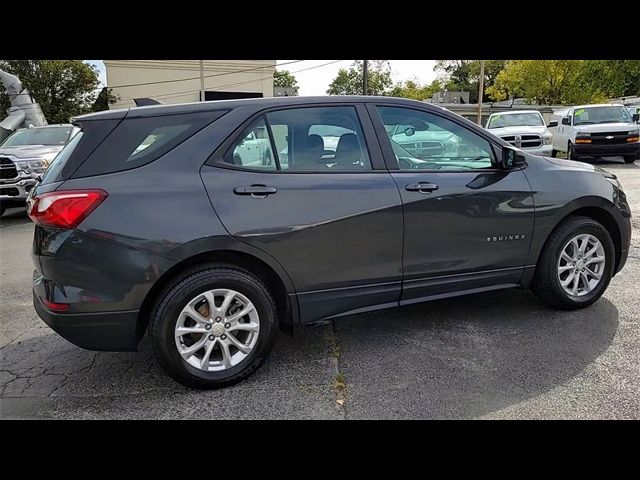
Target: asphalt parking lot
<point>496,355</point>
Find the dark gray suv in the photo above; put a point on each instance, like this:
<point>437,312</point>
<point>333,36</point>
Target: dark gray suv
<point>164,219</point>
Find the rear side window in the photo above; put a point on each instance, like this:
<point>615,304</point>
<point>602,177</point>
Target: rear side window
<point>52,173</point>
<point>139,141</point>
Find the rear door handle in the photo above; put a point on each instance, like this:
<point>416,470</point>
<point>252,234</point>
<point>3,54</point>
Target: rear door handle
<point>258,191</point>
<point>421,187</point>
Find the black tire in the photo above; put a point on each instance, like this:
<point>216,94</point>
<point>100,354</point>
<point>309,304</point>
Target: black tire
<point>629,158</point>
<point>185,287</point>
<point>2,210</point>
<point>554,153</point>
<point>571,153</point>
<point>546,285</point>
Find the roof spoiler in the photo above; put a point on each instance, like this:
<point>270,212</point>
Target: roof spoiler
<point>144,102</point>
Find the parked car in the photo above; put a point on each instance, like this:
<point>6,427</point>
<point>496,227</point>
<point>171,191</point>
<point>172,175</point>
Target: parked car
<point>634,110</point>
<point>24,155</point>
<point>595,131</point>
<point>525,129</point>
<point>253,150</point>
<point>211,257</point>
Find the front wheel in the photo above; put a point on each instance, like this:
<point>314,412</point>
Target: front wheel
<point>571,152</point>
<point>576,264</point>
<point>629,158</point>
<point>213,326</point>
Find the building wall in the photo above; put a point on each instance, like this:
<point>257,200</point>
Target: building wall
<point>254,76</point>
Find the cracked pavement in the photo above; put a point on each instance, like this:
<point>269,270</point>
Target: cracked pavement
<point>496,355</point>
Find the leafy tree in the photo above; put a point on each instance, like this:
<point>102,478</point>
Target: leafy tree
<point>464,75</point>
<point>63,88</point>
<point>285,79</point>
<point>349,82</point>
<point>565,82</point>
<point>413,89</point>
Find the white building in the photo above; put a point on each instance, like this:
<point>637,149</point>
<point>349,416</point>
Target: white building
<point>179,81</point>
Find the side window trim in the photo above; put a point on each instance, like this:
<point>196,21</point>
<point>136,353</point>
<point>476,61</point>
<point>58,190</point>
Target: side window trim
<point>218,156</point>
<point>385,143</point>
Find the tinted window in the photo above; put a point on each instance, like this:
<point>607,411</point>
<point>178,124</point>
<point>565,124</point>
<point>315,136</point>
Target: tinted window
<point>139,141</point>
<point>51,174</point>
<point>431,142</point>
<point>515,120</point>
<point>613,114</point>
<point>253,148</point>
<point>39,136</point>
<point>319,138</point>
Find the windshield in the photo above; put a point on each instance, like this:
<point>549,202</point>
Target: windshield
<point>39,136</point>
<point>532,119</point>
<point>591,115</point>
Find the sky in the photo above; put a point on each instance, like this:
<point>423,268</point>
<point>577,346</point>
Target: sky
<point>316,80</point>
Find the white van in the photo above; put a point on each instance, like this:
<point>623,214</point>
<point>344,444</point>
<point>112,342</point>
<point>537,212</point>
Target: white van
<point>595,131</point>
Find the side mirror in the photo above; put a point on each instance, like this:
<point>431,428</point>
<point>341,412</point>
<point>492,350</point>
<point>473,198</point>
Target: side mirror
<point>566,121</point>
<point>409,131</point>
<point>553,123</point>
<point>636,117</point>
<point>511,158</point>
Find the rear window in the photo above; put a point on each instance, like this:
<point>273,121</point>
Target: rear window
<point>139,141</point>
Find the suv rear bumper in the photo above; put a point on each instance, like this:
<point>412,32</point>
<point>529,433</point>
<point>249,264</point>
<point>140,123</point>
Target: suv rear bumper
<point>107,331</point>
<point>607,150</point>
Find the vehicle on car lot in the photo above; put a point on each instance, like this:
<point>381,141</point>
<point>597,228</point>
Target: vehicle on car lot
<point>24,155</point>
<point>211,257</point>
<point>525,129</point>
<point>595,131</point>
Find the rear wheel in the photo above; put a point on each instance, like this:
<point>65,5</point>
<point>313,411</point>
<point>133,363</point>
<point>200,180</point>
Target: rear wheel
<point>213,326</point>
<point>629,158</point>
<point>576,264</point>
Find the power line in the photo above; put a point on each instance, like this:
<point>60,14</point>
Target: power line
<point>166,95</point>
<point>189,78</point>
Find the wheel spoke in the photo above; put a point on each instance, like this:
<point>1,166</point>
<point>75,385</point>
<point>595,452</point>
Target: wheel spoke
<point>188,352</point>
<point>595,260</point>
<point>576,246</point>
<point>236,316</point>
<point>228,298</point>
<point>193,314</point>
<point>180,331</point>
<point>593,274</point>
<point>567,281</point>
<point>565,256</point>
<point>565,268</point>
<point>585,281</point>
<point>226,355</point>
<point>576,283</point>
<point>247,327</point>
<point>583,245</point>
<point>240,346</point>
<point>591,252</point>
<point>204,363</point>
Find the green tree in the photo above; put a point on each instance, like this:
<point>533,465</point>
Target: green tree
<point>63,88</point>
<point>413,89</point>
<point>615,78</point>
<point>285,79</point>
<point>464,75</point>
<point>564,82</point>
<point>349,82</point>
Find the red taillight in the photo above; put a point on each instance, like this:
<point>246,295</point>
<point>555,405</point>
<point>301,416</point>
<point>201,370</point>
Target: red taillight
<point>59,307</point>
<point>64,209</point>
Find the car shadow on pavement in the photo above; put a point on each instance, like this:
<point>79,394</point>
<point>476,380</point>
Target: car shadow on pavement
<point>14,216</point>
<point>467,357</point>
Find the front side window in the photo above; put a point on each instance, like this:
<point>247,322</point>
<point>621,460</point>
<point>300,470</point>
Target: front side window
<point>423,141</point>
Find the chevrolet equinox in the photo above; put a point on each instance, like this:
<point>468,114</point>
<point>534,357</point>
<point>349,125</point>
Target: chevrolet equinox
<point>167,219</point>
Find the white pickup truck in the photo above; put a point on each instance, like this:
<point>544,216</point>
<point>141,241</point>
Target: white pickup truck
<point>253,151</point>
<point>524,129</point>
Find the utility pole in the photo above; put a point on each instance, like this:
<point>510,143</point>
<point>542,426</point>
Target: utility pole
<point>364,77</point>
<point>202,80</point>
<point>480,92</point>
